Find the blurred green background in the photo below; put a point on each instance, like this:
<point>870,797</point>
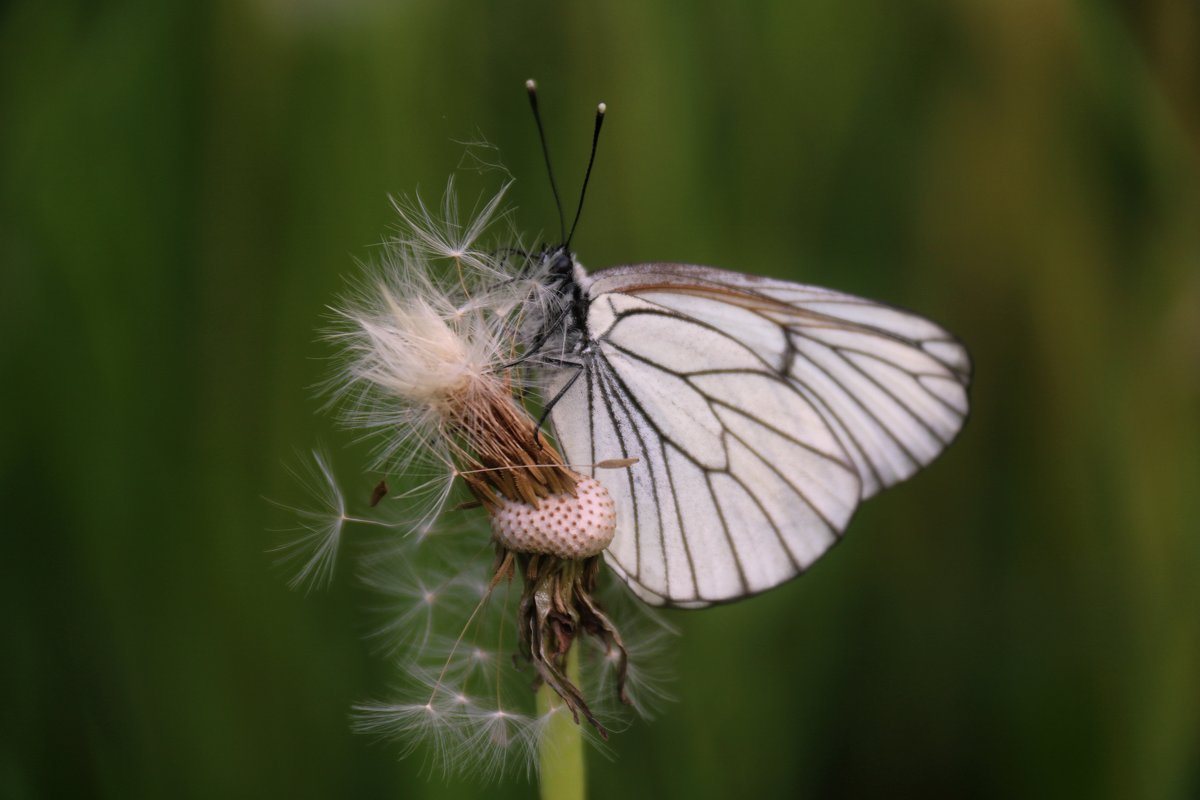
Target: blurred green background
<point>184,185</point>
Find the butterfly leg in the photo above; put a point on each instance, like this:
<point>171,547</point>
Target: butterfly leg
<point>579,370</point>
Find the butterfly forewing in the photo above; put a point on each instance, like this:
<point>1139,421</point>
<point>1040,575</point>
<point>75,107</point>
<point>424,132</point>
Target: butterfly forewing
<point>890,384</point>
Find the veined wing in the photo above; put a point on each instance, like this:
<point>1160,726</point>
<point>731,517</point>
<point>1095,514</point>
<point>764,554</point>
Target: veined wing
<point>761,411</point>
<point>891,384</point>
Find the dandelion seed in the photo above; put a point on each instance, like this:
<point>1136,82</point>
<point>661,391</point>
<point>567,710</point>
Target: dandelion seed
<point>415,601</point>
<point>446,236</point>
<point>496,739</point>
<point>643,668</point>
<point>319,529</point>
<point>433,726</point>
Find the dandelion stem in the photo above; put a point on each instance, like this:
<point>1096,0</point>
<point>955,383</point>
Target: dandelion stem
<point>560,752</point>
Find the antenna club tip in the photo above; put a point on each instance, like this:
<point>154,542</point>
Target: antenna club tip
<point>601,109</point>
<point>531,85</point>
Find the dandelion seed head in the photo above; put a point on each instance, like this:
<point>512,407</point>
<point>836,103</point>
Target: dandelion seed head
<point>568,526</point>
<point>434,365</point>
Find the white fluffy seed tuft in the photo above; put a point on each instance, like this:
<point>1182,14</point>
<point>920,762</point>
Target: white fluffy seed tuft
<point>560,525</point>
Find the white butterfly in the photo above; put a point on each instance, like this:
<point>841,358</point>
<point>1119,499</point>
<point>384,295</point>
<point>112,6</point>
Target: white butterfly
<point>760,411</point>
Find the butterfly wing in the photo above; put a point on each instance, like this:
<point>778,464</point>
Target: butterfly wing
<point>761,412</point>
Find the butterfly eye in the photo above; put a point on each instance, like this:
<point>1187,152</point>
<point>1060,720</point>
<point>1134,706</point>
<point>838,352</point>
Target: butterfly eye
<point>560,263</point>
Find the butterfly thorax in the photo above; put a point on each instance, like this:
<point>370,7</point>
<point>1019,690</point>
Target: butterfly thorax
<point>558,331</point>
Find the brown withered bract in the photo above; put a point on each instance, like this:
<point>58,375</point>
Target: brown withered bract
<point>504,459</point>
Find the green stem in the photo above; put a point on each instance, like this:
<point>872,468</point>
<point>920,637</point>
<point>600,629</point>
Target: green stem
<point>560,753</point>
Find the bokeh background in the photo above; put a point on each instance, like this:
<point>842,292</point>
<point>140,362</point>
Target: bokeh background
<point>185,185</point>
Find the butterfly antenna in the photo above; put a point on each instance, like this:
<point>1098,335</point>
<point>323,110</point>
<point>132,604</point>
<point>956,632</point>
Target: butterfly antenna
<point>600,109</point>
<point>531,87</point>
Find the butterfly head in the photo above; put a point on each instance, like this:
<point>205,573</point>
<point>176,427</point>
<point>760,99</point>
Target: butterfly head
<point>558,265</point>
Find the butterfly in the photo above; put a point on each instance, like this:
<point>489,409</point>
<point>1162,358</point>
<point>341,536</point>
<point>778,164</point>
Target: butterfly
<point>760,413</point>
